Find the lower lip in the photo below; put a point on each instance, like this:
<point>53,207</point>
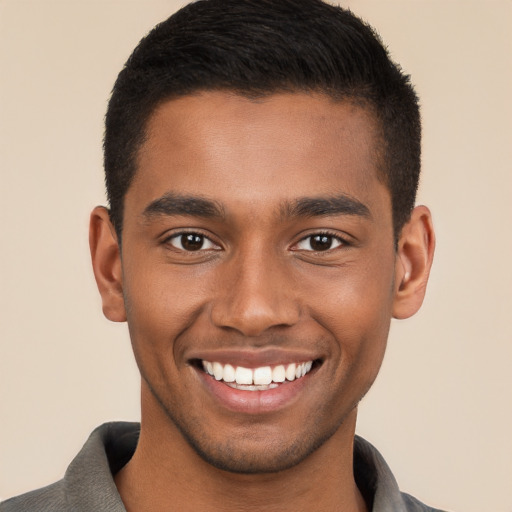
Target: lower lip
<point>254,402</point>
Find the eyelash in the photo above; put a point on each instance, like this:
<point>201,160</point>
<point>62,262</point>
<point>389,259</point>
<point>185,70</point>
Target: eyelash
<point>179,236</point>
<point>213,246</point>
<point>342,242</point>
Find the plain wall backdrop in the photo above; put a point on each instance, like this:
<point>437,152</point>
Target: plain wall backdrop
<point>441,409</point>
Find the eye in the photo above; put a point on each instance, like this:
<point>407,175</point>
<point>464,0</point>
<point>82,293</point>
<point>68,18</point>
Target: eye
<point>319,242</point>
<point>191,242</point>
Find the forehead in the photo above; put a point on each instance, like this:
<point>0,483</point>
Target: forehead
<point>235,149</point>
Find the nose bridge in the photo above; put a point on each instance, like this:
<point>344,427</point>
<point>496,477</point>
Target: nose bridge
<point>258,294</point>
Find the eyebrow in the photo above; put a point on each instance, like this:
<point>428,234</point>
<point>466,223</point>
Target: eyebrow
<point>324,206</point>
<point>196,206</point>
<point>176,204</point>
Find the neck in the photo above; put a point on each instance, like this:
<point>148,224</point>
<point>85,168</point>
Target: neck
<point>166,473</point>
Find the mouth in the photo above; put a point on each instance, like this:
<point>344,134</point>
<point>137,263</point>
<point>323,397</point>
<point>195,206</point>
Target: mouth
<point>262,378</point>
<point>258,382</point>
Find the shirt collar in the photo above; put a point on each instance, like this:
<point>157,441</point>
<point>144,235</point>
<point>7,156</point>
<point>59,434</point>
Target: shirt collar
<point>112,445</point>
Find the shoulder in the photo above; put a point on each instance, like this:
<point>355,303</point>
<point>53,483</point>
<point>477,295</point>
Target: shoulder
<point>47,499</point>
<point>88,483</point>
<point>377,483</point>
<point>414,505</point>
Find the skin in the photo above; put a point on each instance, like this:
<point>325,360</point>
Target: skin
<point>256,288</point>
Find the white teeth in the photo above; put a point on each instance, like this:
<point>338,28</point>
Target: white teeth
<point>252,387</point>
<point>218,371</point>
<point>290,372</point>
<point>229,374</point>
<point>260,379</point>
<point>262,375</point>
<point>208,367</point>
<point>279,374</point>
<point>243,375</point>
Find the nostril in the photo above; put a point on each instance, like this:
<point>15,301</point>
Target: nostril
<point>255,318</point>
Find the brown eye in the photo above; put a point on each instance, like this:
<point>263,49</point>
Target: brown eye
<point>320,242</point>
<point>191,242</point>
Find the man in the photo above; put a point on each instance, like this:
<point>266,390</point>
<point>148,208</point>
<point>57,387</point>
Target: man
<point>261,160</point>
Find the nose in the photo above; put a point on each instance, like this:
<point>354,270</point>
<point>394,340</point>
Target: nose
<point>255,295</point>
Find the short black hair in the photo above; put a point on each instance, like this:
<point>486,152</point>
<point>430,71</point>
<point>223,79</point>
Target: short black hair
<point>256,48</point>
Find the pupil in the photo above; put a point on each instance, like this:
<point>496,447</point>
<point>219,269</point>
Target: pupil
<point>321,242</point>
<point>192,242</point>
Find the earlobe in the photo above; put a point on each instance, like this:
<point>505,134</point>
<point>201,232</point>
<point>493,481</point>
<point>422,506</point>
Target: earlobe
<point>106,262</point>
<point>414,260</point>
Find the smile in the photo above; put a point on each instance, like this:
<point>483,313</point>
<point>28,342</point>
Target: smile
<point>256,379</point>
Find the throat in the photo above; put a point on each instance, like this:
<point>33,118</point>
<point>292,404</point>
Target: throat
<point>165,473</point>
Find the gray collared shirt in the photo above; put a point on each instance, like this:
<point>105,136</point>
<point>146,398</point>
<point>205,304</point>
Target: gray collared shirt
<point>88,484</point>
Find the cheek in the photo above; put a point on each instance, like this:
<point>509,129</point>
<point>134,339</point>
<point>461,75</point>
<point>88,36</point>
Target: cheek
<point>160,304</point>
<point>360,327</point>
<point>355,306</point>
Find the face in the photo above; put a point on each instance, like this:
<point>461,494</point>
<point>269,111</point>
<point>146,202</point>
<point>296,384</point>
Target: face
<point>258,270</point>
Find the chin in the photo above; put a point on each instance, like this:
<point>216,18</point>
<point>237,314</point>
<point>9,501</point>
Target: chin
<point>252,461</point>
<point>256,452</point>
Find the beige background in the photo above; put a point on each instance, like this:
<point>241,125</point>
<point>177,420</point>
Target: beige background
<point>441,410</point>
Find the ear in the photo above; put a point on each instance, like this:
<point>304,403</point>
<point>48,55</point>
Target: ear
<point>414,259</point>
<point>106,263</point>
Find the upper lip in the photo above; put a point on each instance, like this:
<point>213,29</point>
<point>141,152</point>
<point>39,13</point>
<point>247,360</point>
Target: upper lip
<point>254,358</point>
